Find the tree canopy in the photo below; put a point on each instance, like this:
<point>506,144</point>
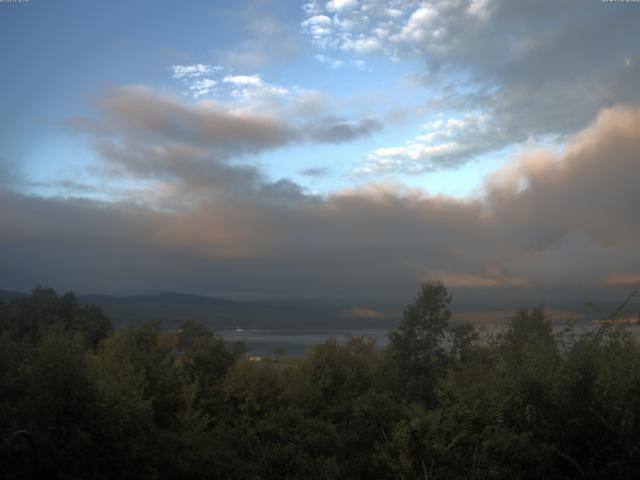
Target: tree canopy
<point>81,401</point>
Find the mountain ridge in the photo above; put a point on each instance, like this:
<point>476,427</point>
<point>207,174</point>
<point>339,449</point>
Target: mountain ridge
<point>171,309</point>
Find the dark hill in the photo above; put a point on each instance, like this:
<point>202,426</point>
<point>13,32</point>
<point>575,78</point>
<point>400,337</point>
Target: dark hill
<point>7,295</point>
<point>171,309</point>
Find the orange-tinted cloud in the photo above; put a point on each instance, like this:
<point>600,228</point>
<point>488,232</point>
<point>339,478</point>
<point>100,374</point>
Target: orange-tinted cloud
<point>546,219</point>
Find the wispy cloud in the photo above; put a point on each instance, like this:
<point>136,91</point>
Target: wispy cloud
<point>339,63</point>
<point>148,134</point>
<point>267,39</point>
<point>336,129</point>
<point>314,172</point>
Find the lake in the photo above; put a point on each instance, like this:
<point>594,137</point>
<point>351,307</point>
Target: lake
<point>295,342</point>
<point>298,342</point>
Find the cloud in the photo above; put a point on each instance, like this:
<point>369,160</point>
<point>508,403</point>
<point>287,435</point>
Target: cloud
<point>413,158</point>
<point>341,5</point>
<point>251,80</point>
<point>366,313</point>
<point>632,280</point>
<point>480,8</point>
<point>252,89</point>
<point>314,172</point>
<point>202,87</point>
<point>332,62</point>
<point>491,278</point>
<point>197,78</point>
<point>143,133</point>
<point>141,113</point>
<point>362,44</point>
<point>531,70</point>
<point>419,26</point>
<point>216,225</point>
<point>195,70</point>
<point>201,80</point>
<point>589,189</point>
<point>267,39</point>
<point>444,143</point>
<point>336,130</point>
<point>252,97</point>
<point>336,63</point>
<point>320,27</point>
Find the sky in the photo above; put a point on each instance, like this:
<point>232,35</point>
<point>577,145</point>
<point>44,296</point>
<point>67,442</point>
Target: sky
<point>342,148</point>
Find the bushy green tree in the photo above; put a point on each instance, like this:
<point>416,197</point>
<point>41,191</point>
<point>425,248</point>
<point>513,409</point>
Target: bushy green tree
<point>204,357</point>
<point>25,318</point>
<point>530,325</point>
<point>417,344</point>
<point>463,336</point>
<point>152,352</point>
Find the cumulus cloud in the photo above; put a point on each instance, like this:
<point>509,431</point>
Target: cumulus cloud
<point>201,80</point>
<point>197,78</point>
<point>444,143</point>
<point>244,80</point>
<point>341,5</point>
<point>253,90</point>
<point>320,28</point>
<point>419,27</point>
<point>588,189</point>
<point>516,63</point>
<point>195,70</point>
<point>545,219</point>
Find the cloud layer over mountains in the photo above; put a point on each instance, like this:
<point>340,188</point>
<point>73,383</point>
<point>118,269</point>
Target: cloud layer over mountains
<point>207,221</point>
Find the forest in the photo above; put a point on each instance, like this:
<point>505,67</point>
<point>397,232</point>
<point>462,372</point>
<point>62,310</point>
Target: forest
<point>81,400</point>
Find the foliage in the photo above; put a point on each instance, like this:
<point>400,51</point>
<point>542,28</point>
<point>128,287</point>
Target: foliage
<point>439,402</point>
<point>416,345</point>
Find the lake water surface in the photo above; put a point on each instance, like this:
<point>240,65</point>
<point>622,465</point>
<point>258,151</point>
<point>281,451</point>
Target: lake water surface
<point>295,342</point>
<point>298,342</point>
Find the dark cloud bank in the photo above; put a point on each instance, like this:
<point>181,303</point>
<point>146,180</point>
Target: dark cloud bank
<point>217,225</point>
